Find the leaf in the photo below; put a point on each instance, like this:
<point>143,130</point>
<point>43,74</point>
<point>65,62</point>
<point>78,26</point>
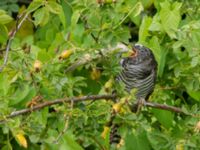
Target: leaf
<point>21,92</point>
<point>67,10</point>
<point>21,140</point>
<point>4,84</point>
<point>62,17</point>
<point>41,16</point>
<point>75,18</point>
<point>144,27</point>
<point>44,55</point>
<point>4,18</point>
<point>159,141</point>
<point>195,61</point>
<point>194,94</point>
<point>136,9</point>
<point>160,54</point>
<point>170,17</point>
<point>34,5</point>
<point>3,34</point>
<point>69,143</point>
<point>156,24</point>
<point>139,141</point>
<point>53,7</point>
<point>164,117</point>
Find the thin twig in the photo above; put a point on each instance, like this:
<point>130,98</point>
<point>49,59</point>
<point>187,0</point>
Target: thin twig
<point>9,42</point>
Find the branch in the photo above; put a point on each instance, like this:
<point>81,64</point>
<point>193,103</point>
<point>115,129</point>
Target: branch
<point>9,42</point>
<point>87,98</point>
<point>165,107</point>
<point>57,101</point>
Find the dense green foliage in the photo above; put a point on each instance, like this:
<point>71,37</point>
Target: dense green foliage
<point>81,28</point>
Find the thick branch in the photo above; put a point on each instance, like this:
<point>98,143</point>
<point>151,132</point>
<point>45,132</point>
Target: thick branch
<point>9,42</point>
<point>165,107</point>
<point>87,98</point>
<point>57,101</point>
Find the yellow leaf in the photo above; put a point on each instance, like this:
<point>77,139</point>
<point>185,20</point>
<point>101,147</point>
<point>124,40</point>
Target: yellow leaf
<point>95,74</point>
<point>21,140</point>
<point>105,131</point>
<point>117,107</point>
<point>108,85</point>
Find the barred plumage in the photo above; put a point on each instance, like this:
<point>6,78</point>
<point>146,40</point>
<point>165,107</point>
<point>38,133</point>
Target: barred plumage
<point>139,71</point>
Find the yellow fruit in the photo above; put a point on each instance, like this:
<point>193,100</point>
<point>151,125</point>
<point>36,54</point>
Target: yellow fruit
<point>105,131</point>
<point>37,65</point>
<point>65,54</point>
<point>21,140</point>
<point>95,74</point>
<point>117,107</point>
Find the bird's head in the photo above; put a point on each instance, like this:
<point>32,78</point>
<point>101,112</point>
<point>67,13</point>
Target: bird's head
<point>138,54</point>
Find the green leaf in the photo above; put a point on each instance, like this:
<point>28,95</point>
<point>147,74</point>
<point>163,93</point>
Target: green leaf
<point>164,117</point>
<point>43,55</point>
<point>160,141</point>
<point>53,7</point>
<point>136,9</point>
<point>194,94</point>
<point>4,84</point>
<point>69,143</point>
<point>3,34</point>
<point>34,5</point>
<point>170,17</point>
<point>75,18</point>
<point>21,92</point>
<point>62,17</point>
<point>156,24</point>
<point>67,9</point>
<point>160,54</point>
<point>14,7</point>
<point>4,18</point>
<point>144,29</point>
<point>139,141</point>
<point>41,16</point>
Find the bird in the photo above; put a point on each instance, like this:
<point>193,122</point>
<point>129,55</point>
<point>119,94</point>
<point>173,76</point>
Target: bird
<point>139,71</point>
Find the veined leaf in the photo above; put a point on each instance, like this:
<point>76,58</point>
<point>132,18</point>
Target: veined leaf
<point>54,7</point>
<point>3,34</point>
<point>4,18</point>
<point>41,16</point>
<point>170,17</point>
<point>34,5</point>
<point>143,31</point>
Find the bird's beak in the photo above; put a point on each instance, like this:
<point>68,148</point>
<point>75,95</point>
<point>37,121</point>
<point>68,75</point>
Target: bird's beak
<point>133,53</point>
